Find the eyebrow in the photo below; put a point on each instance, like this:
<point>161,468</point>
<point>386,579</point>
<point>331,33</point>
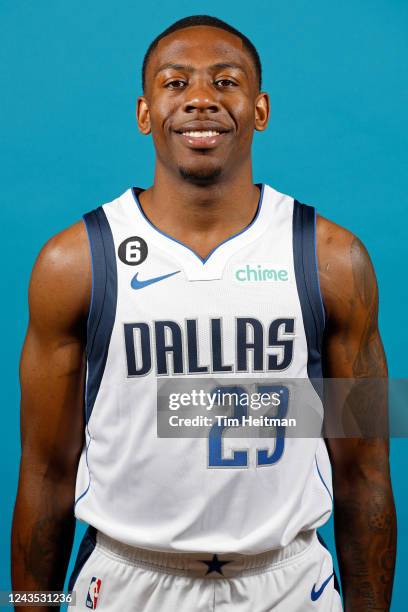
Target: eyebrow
<point>190,68</point>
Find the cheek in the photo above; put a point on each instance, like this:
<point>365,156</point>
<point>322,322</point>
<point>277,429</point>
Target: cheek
<point>246,125</point>
<point>243,111</point>
<point>162,115</point>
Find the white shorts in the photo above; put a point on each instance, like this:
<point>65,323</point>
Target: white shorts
<point>113,577</point>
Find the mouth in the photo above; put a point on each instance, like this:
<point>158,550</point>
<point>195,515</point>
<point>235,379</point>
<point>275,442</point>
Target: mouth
<point>202,138</point>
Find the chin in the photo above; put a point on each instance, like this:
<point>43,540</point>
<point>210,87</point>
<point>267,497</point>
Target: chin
<point>200,176</point>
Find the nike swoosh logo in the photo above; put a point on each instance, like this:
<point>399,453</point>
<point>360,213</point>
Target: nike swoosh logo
<point>316,594</point>
<point>135,283</point>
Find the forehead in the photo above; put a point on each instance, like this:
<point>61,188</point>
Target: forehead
<point>200,45</point>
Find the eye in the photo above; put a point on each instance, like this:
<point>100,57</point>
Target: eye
<point>225,83</point>
<point>175,84</point>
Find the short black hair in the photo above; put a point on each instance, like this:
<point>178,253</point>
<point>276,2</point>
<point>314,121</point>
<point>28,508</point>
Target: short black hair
<point>203,20</point>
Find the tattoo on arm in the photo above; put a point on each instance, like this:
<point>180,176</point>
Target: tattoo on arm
<point>370,358</point>
<point>366,533</point>
<point>365,518</point>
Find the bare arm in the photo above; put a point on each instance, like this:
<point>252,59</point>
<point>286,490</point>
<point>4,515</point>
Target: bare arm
<point>364,512</point>
<point>52,375</point>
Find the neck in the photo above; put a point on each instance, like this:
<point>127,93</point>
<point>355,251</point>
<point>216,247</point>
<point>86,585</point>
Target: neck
<point>210,213</point>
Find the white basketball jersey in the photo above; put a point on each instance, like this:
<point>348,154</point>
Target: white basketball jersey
<point>159,313</point>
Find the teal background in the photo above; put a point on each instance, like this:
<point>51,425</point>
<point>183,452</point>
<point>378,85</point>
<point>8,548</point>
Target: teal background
<point>70,75</point>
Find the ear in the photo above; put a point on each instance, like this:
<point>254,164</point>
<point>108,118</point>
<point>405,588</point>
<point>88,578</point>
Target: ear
<point>262,109</point>
<point>143,115</point>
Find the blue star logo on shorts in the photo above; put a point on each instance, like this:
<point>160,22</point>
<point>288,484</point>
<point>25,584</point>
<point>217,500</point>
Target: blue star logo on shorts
<point>215,565</point>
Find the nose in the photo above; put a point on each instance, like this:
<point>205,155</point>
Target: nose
<point>201,97</point>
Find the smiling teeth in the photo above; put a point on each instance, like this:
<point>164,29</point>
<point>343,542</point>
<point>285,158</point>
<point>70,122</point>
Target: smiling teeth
<point>201,134</point>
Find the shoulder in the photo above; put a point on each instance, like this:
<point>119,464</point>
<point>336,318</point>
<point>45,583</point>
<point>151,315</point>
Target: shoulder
<point>64,248</point>
<point>61,280</point>
<point>346,273</point>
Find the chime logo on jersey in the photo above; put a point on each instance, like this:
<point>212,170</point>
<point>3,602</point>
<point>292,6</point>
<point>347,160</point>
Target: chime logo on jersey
<point>260,273</point>
<point>93,593</point>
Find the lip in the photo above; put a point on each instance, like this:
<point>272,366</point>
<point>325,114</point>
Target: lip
<point>202,125</point>
<point>202,142</point>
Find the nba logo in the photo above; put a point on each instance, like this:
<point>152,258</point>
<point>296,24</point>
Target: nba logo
<point>93,593</point>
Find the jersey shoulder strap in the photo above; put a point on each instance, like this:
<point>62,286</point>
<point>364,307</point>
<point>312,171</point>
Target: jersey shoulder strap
<point>102,309</point>
<point>308,285</point>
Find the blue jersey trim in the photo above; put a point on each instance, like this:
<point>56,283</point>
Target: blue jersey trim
<point>322,479</point>
<point>103,305</point>
<point>317,270</point>
<point>92,275</point>
<point>307,281</point>
<point>85,550</point>
<point>323,543</point>
<point>136,191</point>
<point>102,311</point>
<point>87,465</point>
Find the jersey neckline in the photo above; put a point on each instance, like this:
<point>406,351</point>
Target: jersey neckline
<point>137,190</point>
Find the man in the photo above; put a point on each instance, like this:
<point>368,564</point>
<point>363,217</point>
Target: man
<point>203,274</point>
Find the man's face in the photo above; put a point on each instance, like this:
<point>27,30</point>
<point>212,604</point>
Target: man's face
<point>202,103</point>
